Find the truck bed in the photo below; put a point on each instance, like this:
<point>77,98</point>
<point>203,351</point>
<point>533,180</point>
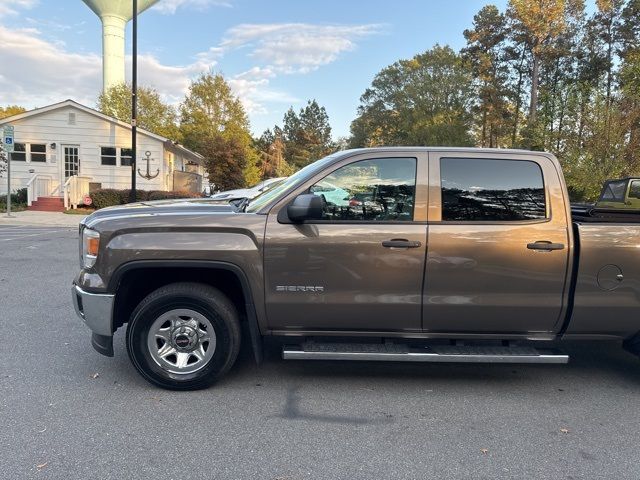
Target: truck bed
<point>606,277</point>
<point>585,213</point>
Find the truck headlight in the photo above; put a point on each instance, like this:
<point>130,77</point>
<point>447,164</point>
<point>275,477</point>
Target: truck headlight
<point>89,247</point>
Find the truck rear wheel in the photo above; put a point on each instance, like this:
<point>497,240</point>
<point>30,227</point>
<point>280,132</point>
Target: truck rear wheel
<point>184,336</point>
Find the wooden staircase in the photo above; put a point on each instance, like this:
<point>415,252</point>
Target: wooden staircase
<point>47,204</point>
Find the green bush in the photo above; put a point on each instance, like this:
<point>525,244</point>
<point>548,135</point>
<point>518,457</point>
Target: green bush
<point>108,197</point>
<point>162,195</point>
<point>105,197</point>
<point>18,197</point>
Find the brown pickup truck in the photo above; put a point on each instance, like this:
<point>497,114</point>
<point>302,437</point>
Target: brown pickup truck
<point>399,254</point>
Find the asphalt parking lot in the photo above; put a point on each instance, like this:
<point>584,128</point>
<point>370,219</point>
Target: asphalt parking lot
<point>68,412</point>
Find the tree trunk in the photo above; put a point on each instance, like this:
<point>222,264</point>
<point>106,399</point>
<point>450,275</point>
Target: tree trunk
<point>563,105</point>
<point>584,97</point>
<point>516,117</point>
<point>484,127</point>
<point>535,78</point>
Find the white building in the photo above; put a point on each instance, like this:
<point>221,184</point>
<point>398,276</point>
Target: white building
<point>65,149</point>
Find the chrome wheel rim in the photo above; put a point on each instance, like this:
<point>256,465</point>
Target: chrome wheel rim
<point>181,341</point>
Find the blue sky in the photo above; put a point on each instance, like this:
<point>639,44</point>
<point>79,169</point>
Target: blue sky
<point>275,54</point>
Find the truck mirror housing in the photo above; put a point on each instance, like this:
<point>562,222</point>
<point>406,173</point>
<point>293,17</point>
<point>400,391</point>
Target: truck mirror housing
<point>305,207</point>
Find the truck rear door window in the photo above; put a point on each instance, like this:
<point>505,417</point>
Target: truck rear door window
<point>381,189</point>
<point>478,189</point>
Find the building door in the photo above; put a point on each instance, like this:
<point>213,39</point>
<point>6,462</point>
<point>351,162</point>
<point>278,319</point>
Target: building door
<point>71,161</point>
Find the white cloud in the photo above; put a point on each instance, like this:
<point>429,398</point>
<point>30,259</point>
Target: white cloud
<point>42,71</point>
<point>47,25</point>
<point>297,47</point>
<point>11,7</point>
<point>169,7</point>
<point>252,87</point>
<point>37,72</point>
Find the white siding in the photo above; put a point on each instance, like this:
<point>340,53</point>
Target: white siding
<point>89,133</point>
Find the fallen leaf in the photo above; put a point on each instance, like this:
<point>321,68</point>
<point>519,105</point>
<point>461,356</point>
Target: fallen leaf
<point>95,375</point>
<point>564,430</point>
<point>484,451</point>
<point>42,465</point>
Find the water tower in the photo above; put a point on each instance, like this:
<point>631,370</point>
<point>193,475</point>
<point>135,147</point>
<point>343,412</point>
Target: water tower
<point>114,15</point>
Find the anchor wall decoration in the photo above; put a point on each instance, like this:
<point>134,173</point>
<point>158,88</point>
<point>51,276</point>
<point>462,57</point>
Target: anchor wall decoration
<point>148,175</point>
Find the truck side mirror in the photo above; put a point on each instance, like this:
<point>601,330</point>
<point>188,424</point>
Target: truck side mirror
<point>305,207</point>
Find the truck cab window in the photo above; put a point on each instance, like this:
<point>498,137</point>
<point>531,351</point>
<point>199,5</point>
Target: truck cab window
<point>369,190</point>
<point>478,189</point>
<point>634,190</point>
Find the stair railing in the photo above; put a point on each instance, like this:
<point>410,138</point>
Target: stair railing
<point>39,185</point>
<point>74,189</point>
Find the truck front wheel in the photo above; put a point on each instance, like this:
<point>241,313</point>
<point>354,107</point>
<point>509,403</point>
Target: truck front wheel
<point>184,336</point>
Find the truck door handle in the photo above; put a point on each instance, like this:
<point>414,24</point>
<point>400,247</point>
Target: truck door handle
<point>400,243</point>
<point>545,246</point>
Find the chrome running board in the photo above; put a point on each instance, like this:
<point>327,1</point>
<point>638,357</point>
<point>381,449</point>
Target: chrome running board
<point>435,353</point>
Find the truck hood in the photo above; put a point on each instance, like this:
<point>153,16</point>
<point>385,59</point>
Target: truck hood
<point>190,206</point>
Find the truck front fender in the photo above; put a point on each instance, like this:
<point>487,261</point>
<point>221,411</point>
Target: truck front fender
<point>247,290</point>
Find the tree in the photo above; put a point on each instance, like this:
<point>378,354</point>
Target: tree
<point>540,23</point>
<point>306,135</point>
<point>225,161</point>
<point>606,23</point>
<point>629,52</point>
<point>152,113</point>
<point>211,110</point>
<point>272,148</point>
<point>11,110</point>
<point>422,101</point>
<point>485,53</point>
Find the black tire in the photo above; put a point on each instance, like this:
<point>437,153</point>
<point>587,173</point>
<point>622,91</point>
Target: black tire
<point>203,299</point>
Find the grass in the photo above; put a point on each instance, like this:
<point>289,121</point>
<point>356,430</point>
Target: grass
<point>80,211</point>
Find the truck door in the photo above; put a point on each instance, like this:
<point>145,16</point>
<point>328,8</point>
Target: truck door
<point>498,244</point>
<point>361,267</point>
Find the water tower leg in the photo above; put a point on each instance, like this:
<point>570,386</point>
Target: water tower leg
<point>112,50</point>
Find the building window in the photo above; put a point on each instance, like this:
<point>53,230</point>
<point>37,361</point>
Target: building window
<point>19,152</point>
<point>487,190</point>
<point>108,155</point>
<point>38,152</point>
<point>125,157</point>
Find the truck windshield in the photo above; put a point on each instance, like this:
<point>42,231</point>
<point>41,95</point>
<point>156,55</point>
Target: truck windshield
<point>300,176</point>
<point>614,191</point>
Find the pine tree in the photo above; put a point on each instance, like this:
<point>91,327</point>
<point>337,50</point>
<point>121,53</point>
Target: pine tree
<point>485,52</point>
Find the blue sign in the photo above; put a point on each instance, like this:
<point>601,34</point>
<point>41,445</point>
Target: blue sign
<point>7,138</point>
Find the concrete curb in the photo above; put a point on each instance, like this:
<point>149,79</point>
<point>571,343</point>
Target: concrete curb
<point>47,219</point>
